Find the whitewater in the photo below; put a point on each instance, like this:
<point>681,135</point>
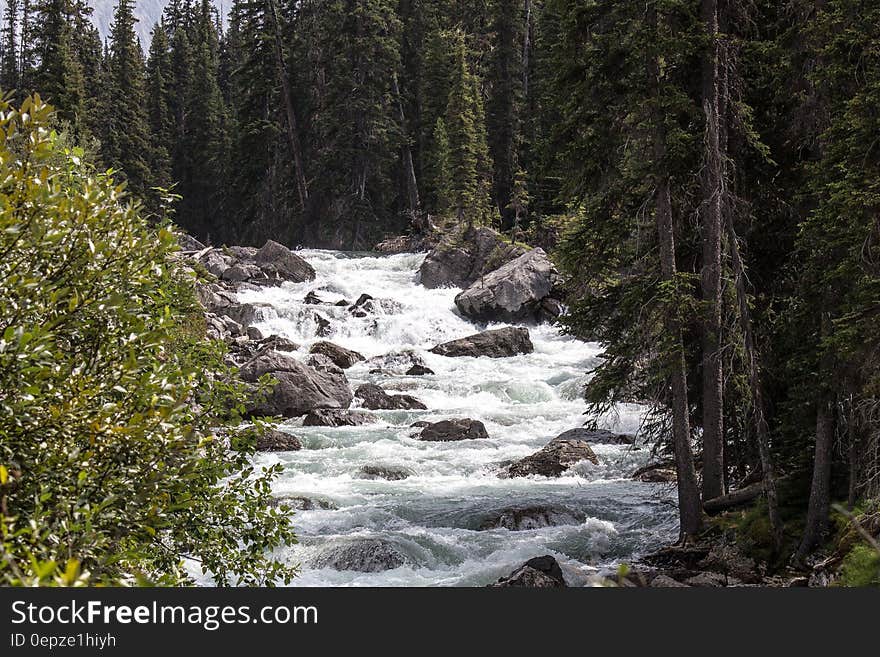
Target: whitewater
<point>436,516</point>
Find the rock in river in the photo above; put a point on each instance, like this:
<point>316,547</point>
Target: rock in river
<point>531,517</point>
<point>387,472</point>
<point>554,459</point>
<point>300,388</point>
<point>449,430</point>
<point>497,343</point>
<point>461,259</point>
<point>596,437</point>
<point>375,398</point>
<point>512,293</point>
<point>540,572</point>
<point>368,555</point>
<point>278,441</point>
<point>279,262</point>
<point>334,417</point>
<point>341,356</point>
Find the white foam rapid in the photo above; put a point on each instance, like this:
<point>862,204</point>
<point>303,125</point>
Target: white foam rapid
<point>434,516</point>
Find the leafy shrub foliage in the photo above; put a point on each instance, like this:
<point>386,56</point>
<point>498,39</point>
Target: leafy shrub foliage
<point>119,456</point>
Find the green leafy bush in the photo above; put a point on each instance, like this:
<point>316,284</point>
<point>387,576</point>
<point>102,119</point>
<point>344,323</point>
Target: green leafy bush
<point>114,467</point>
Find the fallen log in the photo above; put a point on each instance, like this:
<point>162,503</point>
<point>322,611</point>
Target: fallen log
<point>737,497</point>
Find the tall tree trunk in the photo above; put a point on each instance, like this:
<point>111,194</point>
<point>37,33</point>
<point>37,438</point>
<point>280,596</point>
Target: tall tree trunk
<point>292,124</point>
<point>820,490</point>
<point>762,430</point>
<point>409,170</point>
<point>689,507</point>
<point>527,50</point>
<point>712,212</point>
<point>855,447</point>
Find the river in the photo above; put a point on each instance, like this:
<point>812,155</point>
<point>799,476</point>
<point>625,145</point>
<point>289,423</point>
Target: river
<point>434,517</point>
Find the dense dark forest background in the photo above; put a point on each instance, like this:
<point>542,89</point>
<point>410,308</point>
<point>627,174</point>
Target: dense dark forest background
<point>706,173</point>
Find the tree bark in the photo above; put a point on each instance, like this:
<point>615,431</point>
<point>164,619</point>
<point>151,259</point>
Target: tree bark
<point>762,430</point>
<point>527,48</point>
<point>292,124</point>
<point>820,489</point>
<point>689,506</point>
<point>409,170</point>
<point>712,212</point>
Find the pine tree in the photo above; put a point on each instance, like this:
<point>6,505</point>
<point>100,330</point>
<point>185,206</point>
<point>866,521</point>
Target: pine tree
<point>58,75</point>
<point>626,143</point>
<point>158,90</point>
<point>506,99</point>
<point>356,135</point>
<point>200,162</point>
<point>468,153</point>
<point>261,173</point>
<point>9,63</point>
<point>126,136</point>
<point>440,168</point>
<point>839,276</point>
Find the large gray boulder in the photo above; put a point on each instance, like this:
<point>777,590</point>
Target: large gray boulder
<point>215,261</point>
<point>464,258</point>
<point>300,388</point>
<point>514,292</point>
<point>375,398</point>
<point>498,343</point>
<point>451,430</point>
<point>553,459</point>
<point>540,572</point>
<point>279,262</point>
<point>340,356</point>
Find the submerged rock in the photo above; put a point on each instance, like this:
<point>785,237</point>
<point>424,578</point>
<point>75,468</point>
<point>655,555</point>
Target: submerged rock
<point>367,555</point>
<point>323,327</point>
<point>532,517</point>
<point>375,398</point>
<point>341,356</point>
<point>419,370</point>
<point>389,472</point>
<point>540,572</point>
<point>514,292</point>
<point>333,417</point>
<point>300,388</point>
<point>395,362</point>
<point>450,430</point>
<point>497,343</point>
<point>553,459</point>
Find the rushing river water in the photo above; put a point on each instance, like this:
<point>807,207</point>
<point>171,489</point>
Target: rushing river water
<point>434,516</point>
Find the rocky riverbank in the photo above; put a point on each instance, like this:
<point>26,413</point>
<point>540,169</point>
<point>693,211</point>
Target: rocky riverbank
<point>315,391</point>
